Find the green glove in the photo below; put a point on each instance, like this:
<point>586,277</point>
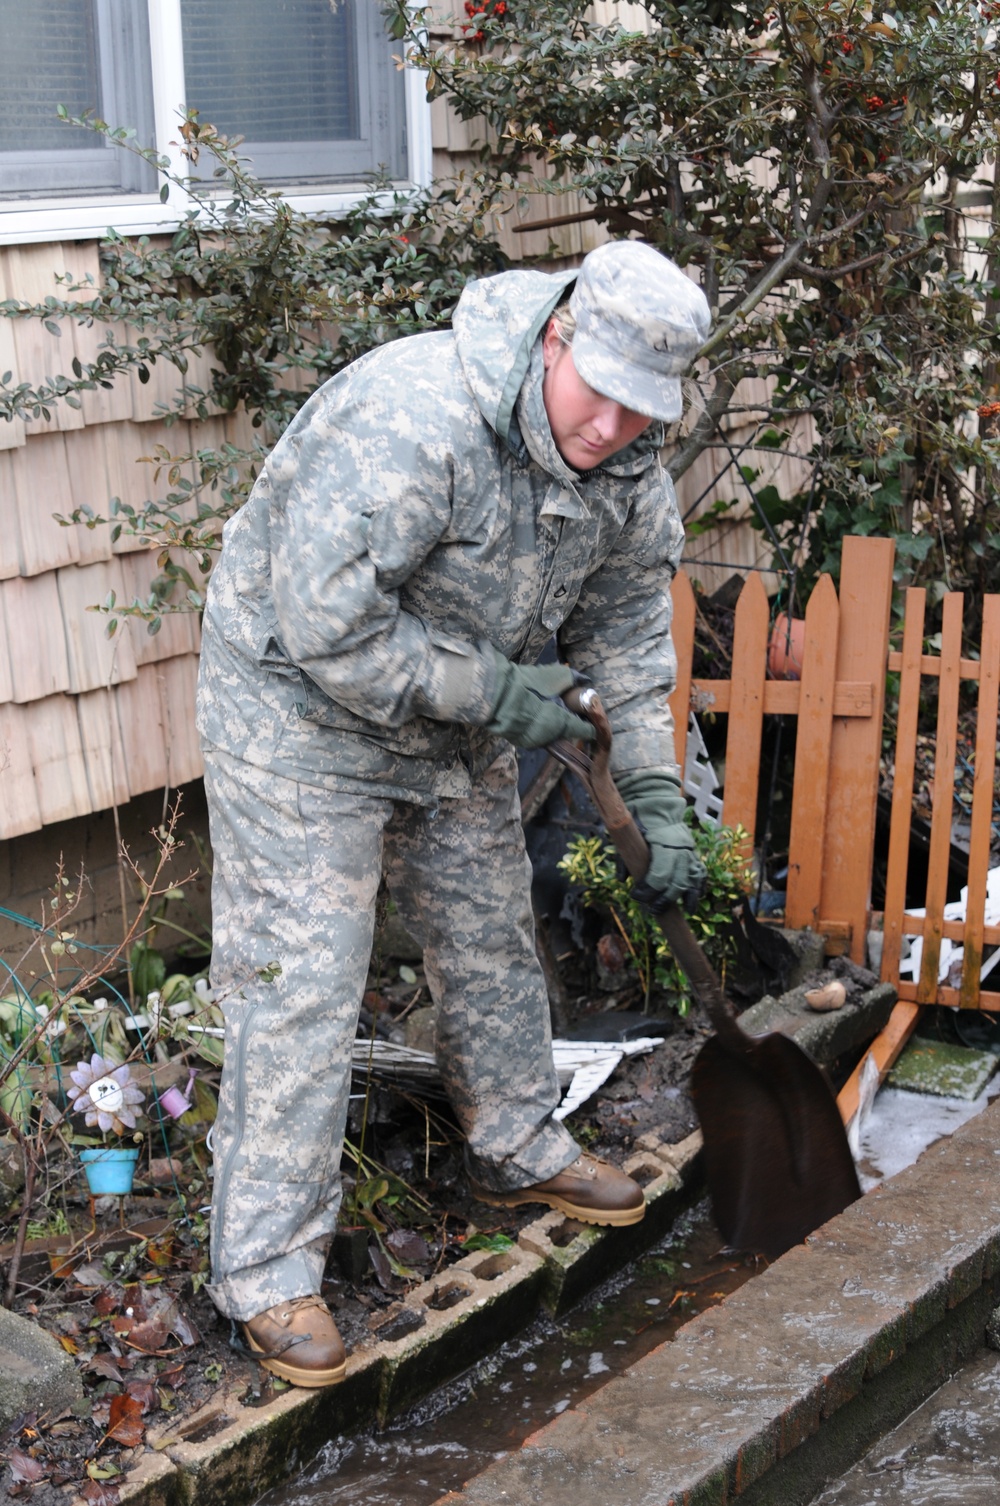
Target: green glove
<point>523,710</point>
<point>675,874</point>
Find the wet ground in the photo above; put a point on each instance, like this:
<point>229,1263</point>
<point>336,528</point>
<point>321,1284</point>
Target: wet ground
<point>944,1454</point>
<point>466,1426</point>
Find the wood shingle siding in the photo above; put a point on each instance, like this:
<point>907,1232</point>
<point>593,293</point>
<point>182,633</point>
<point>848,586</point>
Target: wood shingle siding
<point>86,722</point>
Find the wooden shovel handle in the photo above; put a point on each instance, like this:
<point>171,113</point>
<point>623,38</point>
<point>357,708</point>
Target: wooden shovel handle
<point>594,771</point>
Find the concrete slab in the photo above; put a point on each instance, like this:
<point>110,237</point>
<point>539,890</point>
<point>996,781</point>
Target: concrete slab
<point>764,1397</point>
<point>36,1373</point>
<point>824,1037</point>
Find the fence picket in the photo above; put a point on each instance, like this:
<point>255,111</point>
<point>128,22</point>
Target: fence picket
<point>945,750</point>
<point>746,709</point>
<point>812,758</point>
<point>982,802</point>
<point>902,783</point>
<point>682,632</point>
<point>856,740</point>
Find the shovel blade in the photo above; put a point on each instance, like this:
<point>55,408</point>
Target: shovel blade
<point>777,1161</point>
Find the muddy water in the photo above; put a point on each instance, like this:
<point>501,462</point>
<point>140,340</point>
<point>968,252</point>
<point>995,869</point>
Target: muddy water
<point>466,1426</point>
<point>944,1454</point>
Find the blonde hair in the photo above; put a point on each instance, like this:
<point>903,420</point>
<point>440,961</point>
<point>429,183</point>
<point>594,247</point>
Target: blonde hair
<point>565,322</point>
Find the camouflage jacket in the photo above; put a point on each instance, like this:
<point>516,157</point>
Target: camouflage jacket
<point>413,513</point>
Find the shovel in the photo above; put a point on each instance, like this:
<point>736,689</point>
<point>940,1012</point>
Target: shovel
<point>777,1161</point>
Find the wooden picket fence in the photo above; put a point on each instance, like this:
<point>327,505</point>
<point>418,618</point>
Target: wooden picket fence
<point>840,705</point>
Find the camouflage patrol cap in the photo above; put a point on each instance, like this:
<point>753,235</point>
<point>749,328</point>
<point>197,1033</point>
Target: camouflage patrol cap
<point>639,323</point>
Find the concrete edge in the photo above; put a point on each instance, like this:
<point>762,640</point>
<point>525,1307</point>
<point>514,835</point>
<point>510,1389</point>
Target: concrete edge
<point>767,1397</point>
<point>230,1453</point>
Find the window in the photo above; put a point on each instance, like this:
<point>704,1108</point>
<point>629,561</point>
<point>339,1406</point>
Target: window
<point>86,55</point>
<point>311,85</point>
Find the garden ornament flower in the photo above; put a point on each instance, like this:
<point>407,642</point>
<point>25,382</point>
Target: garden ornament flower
<point>105,1094</point>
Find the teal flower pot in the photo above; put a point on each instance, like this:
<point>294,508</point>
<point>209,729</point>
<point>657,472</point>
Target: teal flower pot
<point>110,1168</point>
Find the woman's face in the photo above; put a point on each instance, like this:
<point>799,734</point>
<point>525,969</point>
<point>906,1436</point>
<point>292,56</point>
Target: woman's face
<point>586,427</point>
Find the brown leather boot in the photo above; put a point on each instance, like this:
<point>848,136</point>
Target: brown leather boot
<point>589,1190</point>
<point>298,1341</point>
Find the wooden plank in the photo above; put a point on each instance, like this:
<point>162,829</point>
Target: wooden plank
<point>10,539</point>
<point>42,487</point>
<point>31,278</point>
<point>682,632</point>
<point>94,659</point>
<point>11,430</point>
<point>103,404</point>
<point>884,1050</point>
<point>930,664</point>
<point>952,930</point>
<point>746,709</point>
<point>812,757</point>
<point>945,752</point>
<point>902,783</point>
<point>88,479</point>
<point>781,697</point>
<point>952,997</point>
<point>103,750</point>
<point>53,735</point>
<point>177,681</point>
<point>856,744</point>
<point>982,802</point>
<point>19,811</point>
<point>33,619</point>
<point>139,709</point>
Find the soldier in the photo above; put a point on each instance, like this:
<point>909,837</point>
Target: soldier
<point>429,520</point>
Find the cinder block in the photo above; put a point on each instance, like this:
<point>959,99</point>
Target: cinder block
<point>471,1308</point>
<point>242,1451</point>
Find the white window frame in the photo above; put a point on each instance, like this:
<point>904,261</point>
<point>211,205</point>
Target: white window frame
<point>90,216</point>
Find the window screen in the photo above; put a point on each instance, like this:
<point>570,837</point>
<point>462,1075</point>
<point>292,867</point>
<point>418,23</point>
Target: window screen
<point>272,70</point>
<point>310,85</point>
<point>87,55</point>
<point>48,57</point>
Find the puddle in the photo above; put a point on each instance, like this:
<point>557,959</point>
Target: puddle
<point>465,1426</point>
<point>944,1454</point>
<point>902,1125</point>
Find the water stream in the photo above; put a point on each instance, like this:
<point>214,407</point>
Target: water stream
<point>464,1427</point>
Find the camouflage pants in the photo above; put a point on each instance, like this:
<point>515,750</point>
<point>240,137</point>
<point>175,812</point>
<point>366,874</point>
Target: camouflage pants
<point>296,873</point>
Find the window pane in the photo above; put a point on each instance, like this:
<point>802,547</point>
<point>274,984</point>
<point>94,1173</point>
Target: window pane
<point>272,70</point>
<point>48,57</point>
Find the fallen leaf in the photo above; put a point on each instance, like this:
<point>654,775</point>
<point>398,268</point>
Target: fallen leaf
<point>149,1337</point>
<point>68,1344</point>
<point>125,1421</point>
<point>100,1494</point>
<point>24,1467</point>
<point>106,1365</point>
<point>383,1270</point>
<point>184,1330</point>
<point>408,1247</point>
<point>145,1393</point>
<point>90,1275</point>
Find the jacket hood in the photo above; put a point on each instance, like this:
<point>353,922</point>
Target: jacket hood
<point>496,323</point>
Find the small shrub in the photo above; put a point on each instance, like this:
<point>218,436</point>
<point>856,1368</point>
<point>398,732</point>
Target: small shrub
<point>592,864</point>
